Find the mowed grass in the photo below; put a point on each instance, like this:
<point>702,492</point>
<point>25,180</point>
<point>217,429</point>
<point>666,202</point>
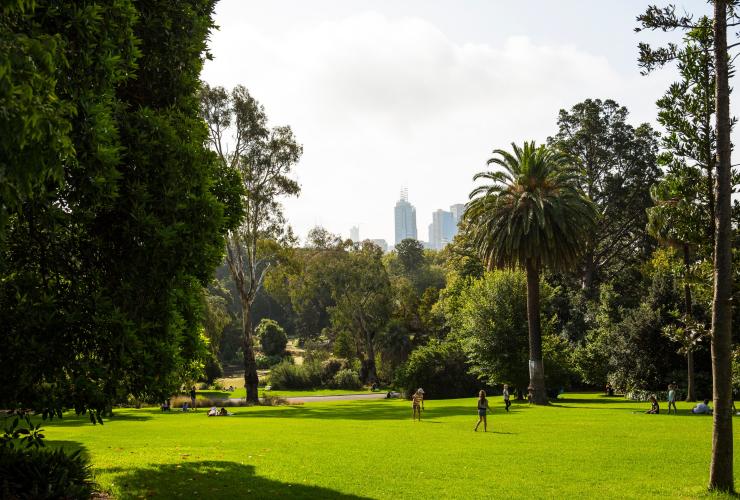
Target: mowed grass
<point>584,445</point>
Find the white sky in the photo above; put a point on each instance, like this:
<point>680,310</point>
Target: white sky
<point>387,93</point>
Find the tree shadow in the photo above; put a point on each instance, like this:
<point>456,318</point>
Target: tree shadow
<point>80,420</point>
<point>211,479</point>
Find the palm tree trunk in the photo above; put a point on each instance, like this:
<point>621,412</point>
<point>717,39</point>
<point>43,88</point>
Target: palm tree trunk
<point>536,368</point>
<point>251,379</point>
<point>720,470</point>
<point>690,396</point>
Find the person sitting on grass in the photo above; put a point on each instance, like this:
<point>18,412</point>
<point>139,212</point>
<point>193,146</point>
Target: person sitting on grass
<point>482,411</point>
<point>223,412</point>
<point>654,406</point>
<point>213,412</point>
<point>417,403</point>
<point>166,405</point>
<point>702,408</point>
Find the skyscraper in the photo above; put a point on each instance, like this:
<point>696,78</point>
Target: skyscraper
<point>442,230</point>
<point>405,218</point>
<point>354,234</point>
<point>457,212</point>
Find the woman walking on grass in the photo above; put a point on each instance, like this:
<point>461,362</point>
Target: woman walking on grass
<point>417,402</point>
<point>482,409</point>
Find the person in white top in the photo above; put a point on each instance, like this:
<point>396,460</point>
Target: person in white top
<point>506,397</point>
<point>702,408</point>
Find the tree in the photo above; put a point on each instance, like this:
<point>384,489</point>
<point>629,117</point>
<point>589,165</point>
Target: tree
<point>619,165</point>
<point>665,19</point>
<point>410,255</point>
<point>532,214</point>
<point>272,337</point>
<point>113,223</point>
<point>262,159</point>
<point>362,294</point>
<point>677,219</point>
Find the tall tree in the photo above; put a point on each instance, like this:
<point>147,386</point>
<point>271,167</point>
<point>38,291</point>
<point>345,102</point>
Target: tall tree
<point>666,19</point>
<point>363,298</point>
<point>100,297</point>
<point>533,214</point>
<point>679,220</point>
<point>263,159</point>
<point>619,166</point>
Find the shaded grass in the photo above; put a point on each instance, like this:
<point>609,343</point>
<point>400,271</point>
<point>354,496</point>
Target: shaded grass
<point>582,446</point>
<point>287,393</point>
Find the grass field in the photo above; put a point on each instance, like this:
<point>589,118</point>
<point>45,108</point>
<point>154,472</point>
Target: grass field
<point>582,446</point>
<point>242,393</point>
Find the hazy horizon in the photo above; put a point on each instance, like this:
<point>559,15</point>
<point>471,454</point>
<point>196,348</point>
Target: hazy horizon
<point>385,95</point>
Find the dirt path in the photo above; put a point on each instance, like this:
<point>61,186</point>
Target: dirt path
<point>317,399</point>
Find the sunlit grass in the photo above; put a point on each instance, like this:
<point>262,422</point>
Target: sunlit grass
<point>582,446</point>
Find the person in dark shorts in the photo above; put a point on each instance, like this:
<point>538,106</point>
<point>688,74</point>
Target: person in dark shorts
<point>482,411</point>
<point>507,402</point>
<point>192,398</point>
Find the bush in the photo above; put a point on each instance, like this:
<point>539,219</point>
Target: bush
<point>213,369</point>
<point>286,375</point>
<point>272,337</point>
<point>330,367</point>
<point>440,368</point>
<point>44,474</point>
<point>346,379</point>
<point>267,362</point>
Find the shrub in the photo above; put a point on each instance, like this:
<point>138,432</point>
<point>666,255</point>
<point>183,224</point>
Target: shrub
<point>346,379</point>
<point>286,375</point>
<point>213,369</point>
<point>330,367</point>
<point>272,337</point>
<point>267,362</point>
<point>440,368</point>
<point>44,474</point>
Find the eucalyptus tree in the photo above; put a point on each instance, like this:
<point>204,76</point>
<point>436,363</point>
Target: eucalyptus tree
<point>666,19</point>
<point>532,213</point>
<point>260,159</point>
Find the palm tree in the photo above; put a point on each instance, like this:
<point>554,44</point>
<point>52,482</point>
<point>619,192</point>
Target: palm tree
<point>531,214</point>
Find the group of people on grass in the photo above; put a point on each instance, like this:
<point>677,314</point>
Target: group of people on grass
<point>417,405</point>
<point>700,409</point>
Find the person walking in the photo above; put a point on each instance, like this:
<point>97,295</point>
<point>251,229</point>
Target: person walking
<point>672,399</point>
<point>482,411</point>
<point>507,402</point>
<point>417,403</point>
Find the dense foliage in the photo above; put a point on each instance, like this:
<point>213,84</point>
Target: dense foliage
<point>272,337</point>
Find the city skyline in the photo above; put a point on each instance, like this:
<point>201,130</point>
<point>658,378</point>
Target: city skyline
<point>430,87</point>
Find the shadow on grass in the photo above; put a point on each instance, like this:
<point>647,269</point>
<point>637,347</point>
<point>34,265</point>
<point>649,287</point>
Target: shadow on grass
<point>210,479</point>
<point>80,420</point>
<point>375,410</point>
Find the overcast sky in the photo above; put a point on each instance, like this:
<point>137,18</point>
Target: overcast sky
<point>386,94</point>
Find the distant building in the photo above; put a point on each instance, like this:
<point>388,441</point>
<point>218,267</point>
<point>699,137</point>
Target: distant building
<point>354,234</point>
<point>382,244</point>
<point>457,211</point>
<point>405,218</point>
<point>442,230</point>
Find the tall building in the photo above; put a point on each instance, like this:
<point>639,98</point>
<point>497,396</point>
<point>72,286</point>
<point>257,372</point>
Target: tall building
<point>457,212</point>
<point>354,234</point>
<point>382,244</point>
<point>405,218</point>
<point>443,228</point>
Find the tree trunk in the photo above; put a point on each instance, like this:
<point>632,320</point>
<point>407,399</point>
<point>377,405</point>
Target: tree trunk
<point>536,368</point>
<point>690,396</point>
<point>250,365</point>
<point>370,369</point>
<point>589,275</point>
<point>690,392</point>
<point>720,470</point>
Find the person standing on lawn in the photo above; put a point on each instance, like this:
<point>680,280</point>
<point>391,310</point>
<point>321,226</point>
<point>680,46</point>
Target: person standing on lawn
<point>192,398</point>
<point>672,399</point>
<point>506,397</point>
<point>482,411</point>
<point>417,403</point>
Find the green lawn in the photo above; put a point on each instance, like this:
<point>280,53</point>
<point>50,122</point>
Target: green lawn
<point>581,446</point>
